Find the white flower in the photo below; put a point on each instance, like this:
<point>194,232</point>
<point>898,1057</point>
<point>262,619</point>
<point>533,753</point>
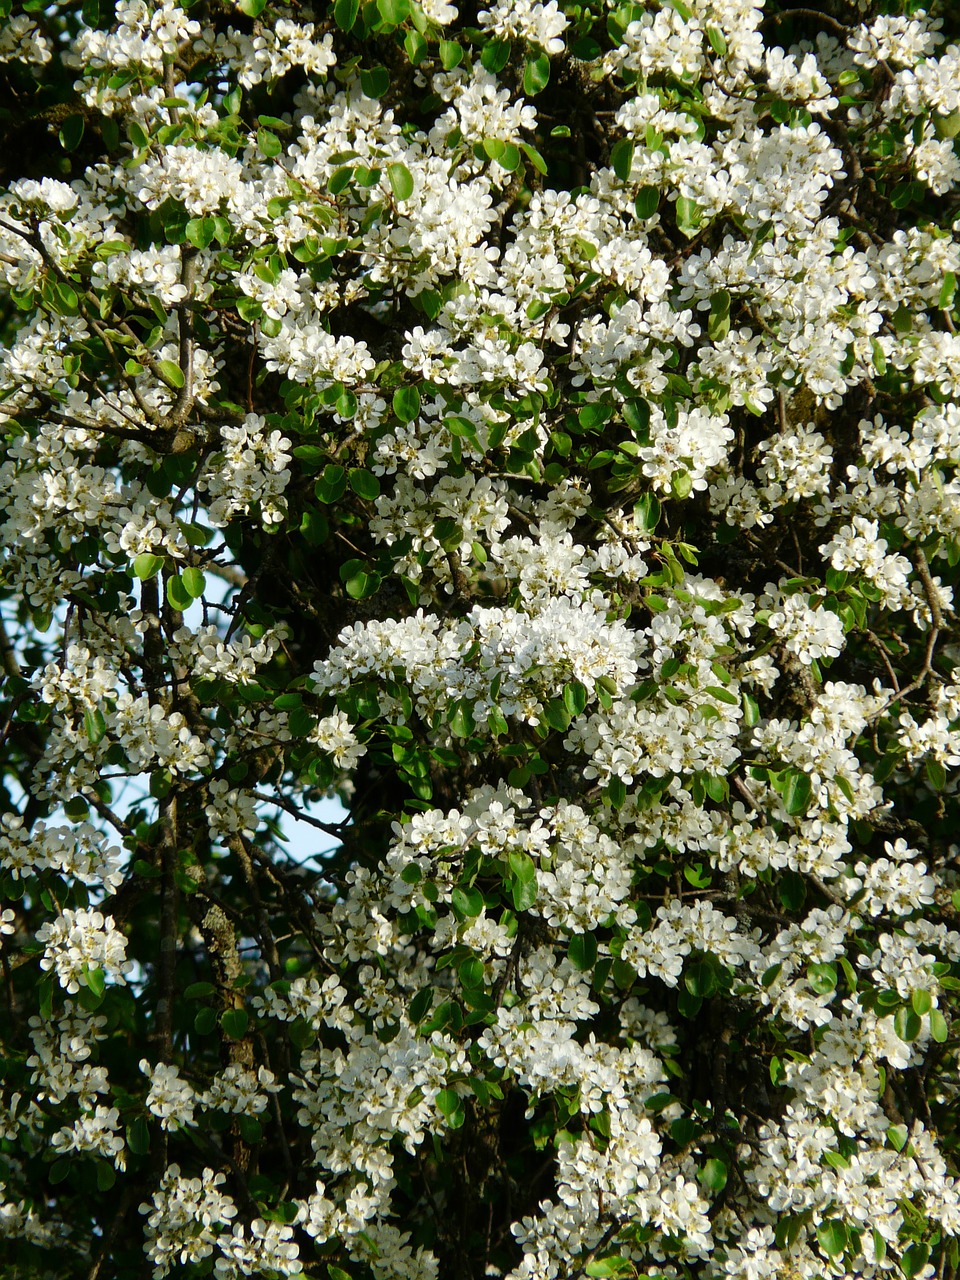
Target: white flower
<point>170,1099</point>
<point>77,943</point>
<point>334,734</point>
<point>531,20</point>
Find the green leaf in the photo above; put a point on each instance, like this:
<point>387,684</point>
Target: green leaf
<point>822,978</point>
<point>252,8</point>
<point>495,56</point>
<point>364,484</point>
<point>534,156</point>
<point>420,1004</point>
<point>201,231</point>
<point>718,325</point>
<point>462,723</point>
<point>922,1002</point>
<point>94,724</point>
<point>536,75</point>
<point>574,697</point>
<point>700,977</point>
<point>199,990</point>
<point>832,1236</point>
<point>689,216</point>
<point>250,1128</point>
<point>907,1024</point>
<point>717,41</point>
<point>340,179</point>
<point>415,46</point>
<point>332,484</point>
<point>269,144</point>
<point>522,867</point>
<point>647,201</point>
<point>401,181</point>
<point>797,793</point>
<point>95,981</point>
<point>171,372</point>
<point>523,894</point>
<point>469,902</point>
<point>178,596</point>
<point>510,159</point>
<point>647,511</point>
<point>345,13</point>
<point>681,484</point>
<point>938,1026</point>
<point>147,565</point>
<point>621,158</point>
<point>604,1267</point>
<point>936,774</point>
<point>71,132</point>
<point>363,584</point>
<point>375,82</point>
<point>592,416</point>
<point>205,1021</point>
<point>449,1103</point>
<point>556,715</point>
<point>194,582</point>
<point>713,1175</point>
<point>347,405</point>
<point>463,427</point>
<point>235,1023</point>
<point>897,1136</point>
<point>451,54</point>
<point>138,1136</point>
<point>394,12</point>
<point>406,403</point>
<point>582,950</point>
<point>914,1259</point>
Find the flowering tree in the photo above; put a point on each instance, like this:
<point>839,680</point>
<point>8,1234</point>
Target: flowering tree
<point>537,425</point>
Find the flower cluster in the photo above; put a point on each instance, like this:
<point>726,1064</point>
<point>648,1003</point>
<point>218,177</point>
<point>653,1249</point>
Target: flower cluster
<point>537,428</point>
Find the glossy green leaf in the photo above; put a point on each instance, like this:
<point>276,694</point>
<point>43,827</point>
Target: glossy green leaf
<point>178,597</point>
<point>406,403</point>
<point>194,582</point>
<point>689,216</point>
<point>147,566</point>
<point>401,181</point>
<point>713,1175</point>
<point>71,132</point>
<point>394,12</point>
<point>495,56</point>
<point>451,54</point>
<point>364,484</point>
<point>375,82</point>
<point>797,793</point>
<point>832,1236</point>
<point>269,144</point>
<point>647,201</point>
<point>95,981</point>
<point>171,372</point>
<point>582,951</point>
<point>621,158</point>
<point>345,13</point>
<point>235,1023</point>
<point>536,75</point>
